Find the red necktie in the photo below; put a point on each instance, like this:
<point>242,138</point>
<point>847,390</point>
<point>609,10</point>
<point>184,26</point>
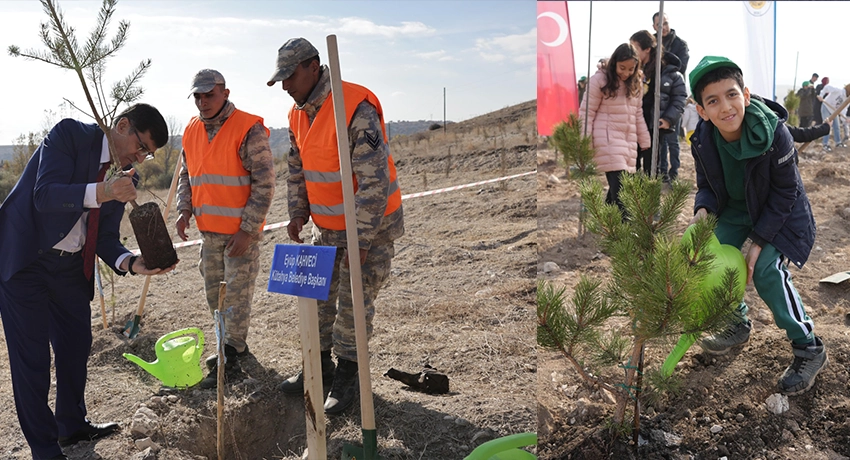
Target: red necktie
<point>91,232</point>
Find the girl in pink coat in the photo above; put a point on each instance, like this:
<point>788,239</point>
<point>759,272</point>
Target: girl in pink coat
<point>614,118</point>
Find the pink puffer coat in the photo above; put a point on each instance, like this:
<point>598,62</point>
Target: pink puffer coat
<point>616,126</point>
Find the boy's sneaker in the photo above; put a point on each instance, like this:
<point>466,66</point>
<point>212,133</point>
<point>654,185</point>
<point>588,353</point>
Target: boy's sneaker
<point>734,335</point>
<point>842,145</point>
<point>808,361</point>
<point>827,148</point>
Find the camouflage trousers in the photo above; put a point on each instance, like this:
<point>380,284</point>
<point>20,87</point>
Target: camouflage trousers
<point>240,274</point>
<point>336,315</point>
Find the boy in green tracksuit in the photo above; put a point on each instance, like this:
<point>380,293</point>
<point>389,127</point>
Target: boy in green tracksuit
<point>747,176</point>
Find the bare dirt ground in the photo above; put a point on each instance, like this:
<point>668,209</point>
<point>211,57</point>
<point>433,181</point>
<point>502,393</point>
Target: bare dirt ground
<point>461,298</point>
<point>727,391</point>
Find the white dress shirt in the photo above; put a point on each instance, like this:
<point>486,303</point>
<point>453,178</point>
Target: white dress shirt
<point>76,238</point>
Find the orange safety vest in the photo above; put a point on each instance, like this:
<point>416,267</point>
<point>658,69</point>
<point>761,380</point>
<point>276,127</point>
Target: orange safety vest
<point>220,185</point>
<point>320,157</point>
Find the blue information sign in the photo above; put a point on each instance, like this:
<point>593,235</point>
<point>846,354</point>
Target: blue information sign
<point>302,270</point>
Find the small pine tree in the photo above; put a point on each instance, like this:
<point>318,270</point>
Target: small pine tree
<point>89,63</point>
<point>792,103</point>
<point>655,284</point>
<point>575,148</point>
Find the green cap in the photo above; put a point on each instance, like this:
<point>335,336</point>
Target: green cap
<point>806,83</point>
<point>707,64</point>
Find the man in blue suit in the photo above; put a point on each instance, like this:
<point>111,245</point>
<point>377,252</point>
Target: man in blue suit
<point>46,286</point>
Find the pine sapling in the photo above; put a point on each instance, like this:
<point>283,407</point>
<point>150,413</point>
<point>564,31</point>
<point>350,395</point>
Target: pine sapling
<point>792,103</point>
<point>655,286</point>
<point>575,148</point>
<point>88,62</point>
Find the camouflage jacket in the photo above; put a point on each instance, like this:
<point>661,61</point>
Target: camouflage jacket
<point>256,158</point>
<point>370,167</point>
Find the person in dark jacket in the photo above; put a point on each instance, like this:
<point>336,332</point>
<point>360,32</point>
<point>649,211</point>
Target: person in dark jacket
<point>816,104</point>
<point>673,95</point>
<point>799,134</point>
<point>61,215</point>
<point>806,109</point>
<point>747,176</point>
<point>672,43</point>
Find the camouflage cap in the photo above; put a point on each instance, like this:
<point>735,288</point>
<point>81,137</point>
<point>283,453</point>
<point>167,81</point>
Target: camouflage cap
<point>292,53</point>
<point>205,80</point>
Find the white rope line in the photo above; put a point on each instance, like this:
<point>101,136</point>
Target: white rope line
<point>268,227</point>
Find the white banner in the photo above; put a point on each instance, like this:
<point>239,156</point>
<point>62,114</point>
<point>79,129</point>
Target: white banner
<point>760,64</point>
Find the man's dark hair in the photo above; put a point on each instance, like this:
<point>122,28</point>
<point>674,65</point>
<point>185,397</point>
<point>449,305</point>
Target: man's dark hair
<point>146,117</point>
<point>655,16</point>
<point>715,75</point>
<point>816,75</point>
<point>306,63</point>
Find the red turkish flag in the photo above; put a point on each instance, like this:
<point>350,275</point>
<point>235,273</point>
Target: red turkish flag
<point>557,93</point>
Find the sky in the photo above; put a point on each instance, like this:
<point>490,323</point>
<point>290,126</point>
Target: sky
<point>481,51</point>
<point>814,29</point>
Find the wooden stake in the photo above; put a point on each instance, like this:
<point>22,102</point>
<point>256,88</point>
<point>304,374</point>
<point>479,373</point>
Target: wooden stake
<point>222,290</point>
<point>99,282</point>
<point>171,191</point>
<point>367,407</point>
<point>308,319</point>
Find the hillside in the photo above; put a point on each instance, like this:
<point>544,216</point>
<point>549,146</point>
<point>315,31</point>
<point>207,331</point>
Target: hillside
<point>279,137</point>
<point>6,152</point>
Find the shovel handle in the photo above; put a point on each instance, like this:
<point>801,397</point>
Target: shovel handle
<point>144,295</point>
<point>367,407</point>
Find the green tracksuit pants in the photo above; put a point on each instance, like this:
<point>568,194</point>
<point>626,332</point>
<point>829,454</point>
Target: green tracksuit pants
<point>771,279</point>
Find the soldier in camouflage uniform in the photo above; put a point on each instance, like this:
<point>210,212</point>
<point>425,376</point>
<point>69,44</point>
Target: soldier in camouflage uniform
<point>230,171</point>
<point>377,204</point>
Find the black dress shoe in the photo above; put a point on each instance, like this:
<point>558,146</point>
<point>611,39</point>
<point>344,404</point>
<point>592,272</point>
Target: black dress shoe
<point>90,432</point>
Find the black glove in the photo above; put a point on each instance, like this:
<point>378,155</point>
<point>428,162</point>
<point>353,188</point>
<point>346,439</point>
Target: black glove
<point>429,380</point>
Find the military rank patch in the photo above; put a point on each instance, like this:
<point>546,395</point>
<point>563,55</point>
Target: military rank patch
<point>373,138</point>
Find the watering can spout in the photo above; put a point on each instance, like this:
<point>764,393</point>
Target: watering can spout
<point>148,367</point>
<point>178,356</point>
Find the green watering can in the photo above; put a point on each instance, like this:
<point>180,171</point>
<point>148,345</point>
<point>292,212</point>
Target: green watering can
<point>506,448</point>
<point>178,358</point>
<point>726,256</point>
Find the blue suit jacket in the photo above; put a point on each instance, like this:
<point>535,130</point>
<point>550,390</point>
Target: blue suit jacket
<point>48,199</point>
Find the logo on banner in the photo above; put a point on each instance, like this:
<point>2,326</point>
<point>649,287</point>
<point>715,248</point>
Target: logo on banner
<point>757,8</point>
<point>302,270</point>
